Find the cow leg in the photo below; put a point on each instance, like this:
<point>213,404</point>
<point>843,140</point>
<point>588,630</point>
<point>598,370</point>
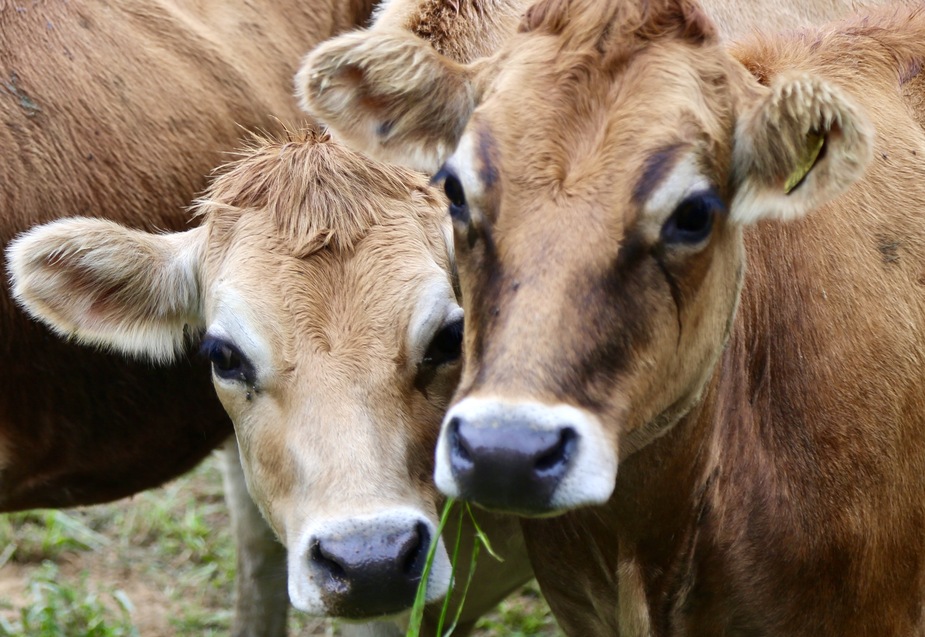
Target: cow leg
<point>261,599</point>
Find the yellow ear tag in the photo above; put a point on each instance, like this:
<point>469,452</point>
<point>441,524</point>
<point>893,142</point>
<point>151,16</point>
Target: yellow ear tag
<point>814,142</point>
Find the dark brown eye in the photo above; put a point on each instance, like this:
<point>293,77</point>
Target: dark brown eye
<point>446,345</point>
<point>454,192</point>
<point>692,221</point>
<point>227,362</point>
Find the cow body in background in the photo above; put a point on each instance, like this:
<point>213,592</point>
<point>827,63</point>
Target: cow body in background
<point>121,111</point>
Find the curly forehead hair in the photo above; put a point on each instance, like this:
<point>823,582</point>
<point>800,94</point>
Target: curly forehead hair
<point>317,193</point>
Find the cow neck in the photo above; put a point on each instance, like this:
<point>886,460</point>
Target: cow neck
<point>634,555</point>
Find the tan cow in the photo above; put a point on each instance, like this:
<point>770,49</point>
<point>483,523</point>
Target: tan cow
<point>321,281</point>
<point>120,110</point>
<point>617,171</point>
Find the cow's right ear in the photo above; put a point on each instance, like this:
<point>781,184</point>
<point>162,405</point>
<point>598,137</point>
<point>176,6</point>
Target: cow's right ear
<point>390,95</point>
<point>801,144</point>
<point>106,285</point>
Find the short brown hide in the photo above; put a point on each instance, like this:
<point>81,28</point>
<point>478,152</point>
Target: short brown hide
<point>120,110</point>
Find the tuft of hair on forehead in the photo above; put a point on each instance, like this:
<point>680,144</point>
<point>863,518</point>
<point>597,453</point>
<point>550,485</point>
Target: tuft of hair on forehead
<point>605,24</point>
<point>317,193</point>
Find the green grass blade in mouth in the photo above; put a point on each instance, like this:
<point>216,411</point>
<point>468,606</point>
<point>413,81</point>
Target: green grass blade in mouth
<point>481,535</point>
<point>420,599</point>
<point>453,561</point>
<point>462,600</point>
<point>417,610</point>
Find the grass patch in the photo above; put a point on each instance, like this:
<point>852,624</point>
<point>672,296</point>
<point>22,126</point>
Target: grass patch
<point>34,536</point>
<point>57,609</point>
<point>522,615</point>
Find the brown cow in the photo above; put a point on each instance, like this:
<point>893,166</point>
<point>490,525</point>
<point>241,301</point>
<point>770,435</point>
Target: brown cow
<point>322,283</point>
<point>618,167</point>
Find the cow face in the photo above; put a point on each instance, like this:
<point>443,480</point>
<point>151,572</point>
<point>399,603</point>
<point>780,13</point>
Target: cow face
<point>320,283</point>
<point>598,192</point>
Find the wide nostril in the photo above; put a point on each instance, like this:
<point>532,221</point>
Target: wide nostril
<point>556,459</point>
<point>510,465</point>
<point>368,569</point>
<point>415,550</point>
<point>329,564</point>
<point>459,446</point>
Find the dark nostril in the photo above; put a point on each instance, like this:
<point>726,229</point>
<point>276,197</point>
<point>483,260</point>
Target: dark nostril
<point>462,454</point>
<point>327,562</point>
<point>559,454</point>
<point>415,551</point>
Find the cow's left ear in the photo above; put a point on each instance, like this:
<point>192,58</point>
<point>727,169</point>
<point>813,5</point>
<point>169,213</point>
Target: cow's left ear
<point>390,95</point>
<point>801,145</point>
<point>107,285</point>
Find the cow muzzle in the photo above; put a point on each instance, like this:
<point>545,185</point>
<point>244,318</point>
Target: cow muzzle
<point>366,567</point>
<point>524,457</point>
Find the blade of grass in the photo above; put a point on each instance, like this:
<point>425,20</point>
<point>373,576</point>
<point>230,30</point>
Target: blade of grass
<point>7,554</point>
<point>420,599</point>
<point>462,600</point>
<point>481,535</point>
<point>446,600</point>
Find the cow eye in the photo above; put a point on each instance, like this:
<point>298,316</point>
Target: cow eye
<point>692,221</point>
<point>227,361</point>
<point>453,189</point>
<point>446,346</point>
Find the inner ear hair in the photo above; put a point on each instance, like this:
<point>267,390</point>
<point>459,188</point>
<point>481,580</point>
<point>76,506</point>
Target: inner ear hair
<point>803,143</point>
<point>812,152</point>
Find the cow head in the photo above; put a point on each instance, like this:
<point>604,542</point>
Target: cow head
<point>599,169</point>
<point>320,284</point>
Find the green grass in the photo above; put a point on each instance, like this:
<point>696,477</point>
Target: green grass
<point>522,615</point>
<point>56,609</point>
<point>160,564</point>
<point>39,535</point>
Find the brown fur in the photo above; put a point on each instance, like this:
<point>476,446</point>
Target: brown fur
<point>338,420</point>
<point>772,459</point>
<point>788,499</point>
<point>119,111</point>
<point>351,243</point>
<point>314,196</point>
<point>348,242</point>
<point>401,99</point>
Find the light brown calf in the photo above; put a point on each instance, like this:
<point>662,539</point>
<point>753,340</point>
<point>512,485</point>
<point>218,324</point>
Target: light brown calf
<point>322,283</point>
<point>619,169</point>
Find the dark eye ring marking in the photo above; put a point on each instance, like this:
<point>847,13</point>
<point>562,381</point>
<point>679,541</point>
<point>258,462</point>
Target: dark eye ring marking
<point>692,220</point>
<point>228,363</point>
<point>452,187</point>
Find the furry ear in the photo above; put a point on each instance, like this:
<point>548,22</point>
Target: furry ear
<point>106,285</point>
<point>390,95</point>
<point>802,145</point>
